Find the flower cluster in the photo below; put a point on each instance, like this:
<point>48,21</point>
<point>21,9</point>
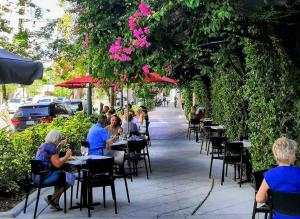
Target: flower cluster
<point>169,68</point>
<point>140,34</point>
<point>119,53</point>
<point>154,89</point>
<point>146,69</point>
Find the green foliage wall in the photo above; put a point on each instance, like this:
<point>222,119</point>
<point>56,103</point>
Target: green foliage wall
<point>200,92</point>
<point>272,89</point>
<point>18,149</point>
<point>226,104</point>
<point>187,95</point>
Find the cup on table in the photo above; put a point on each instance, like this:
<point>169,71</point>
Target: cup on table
<point>84,151</point>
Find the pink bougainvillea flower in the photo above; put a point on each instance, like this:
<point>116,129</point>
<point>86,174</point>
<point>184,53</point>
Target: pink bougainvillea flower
<point>127,51</point>
<point>169,68</point>
<point>86,40</point>
<point>116,46</point>
<point>145,9</point>
<point>146,69</point>
<point>146,30</point>
<point>132,24</point>
<point>138,32</point>
<point>137,15</point>
<point>76,27</point>
<point>81,10</point>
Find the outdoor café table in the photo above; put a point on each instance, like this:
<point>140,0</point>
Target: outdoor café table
<point>79,162</point>
<point>219,129</point>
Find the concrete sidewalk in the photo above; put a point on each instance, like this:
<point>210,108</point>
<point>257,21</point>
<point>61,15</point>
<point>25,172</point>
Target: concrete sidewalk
<point>177,187</point>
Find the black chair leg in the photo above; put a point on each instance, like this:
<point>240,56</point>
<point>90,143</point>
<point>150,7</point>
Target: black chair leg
<point>126,186</point>
<point>65,198</point>
<point>71,197</point>
<point>104,199</point>
<point>89,200</point>
<point>113,191</point>
<point>37,202</point>
<point>149,162</point>
<point>254,209</point>
<point>223,169</point>
<point>202,144</point>
<point>27,195</point>
<point>211,162</point>
<point>145,161</point>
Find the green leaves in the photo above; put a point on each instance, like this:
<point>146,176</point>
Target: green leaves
<point>18,149</point>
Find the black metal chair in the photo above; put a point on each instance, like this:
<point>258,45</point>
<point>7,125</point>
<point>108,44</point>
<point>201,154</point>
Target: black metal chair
<point>119,169</point>
<point>136,153</point>
<point>194,127</point>
<point>38,169</point>
<point>205,134</point>
<point>98,173</point>
<point>284,203</point>
<point>78,175</point>
<point>234,154</point>
<point>217,151</point>
<point>257,178</point>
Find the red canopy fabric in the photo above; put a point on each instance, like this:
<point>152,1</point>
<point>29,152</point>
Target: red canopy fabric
<point>156,78</point>
<point>79,82</point>
<point>82,80</point>
<point>169,80</point>
<point>70,86</point>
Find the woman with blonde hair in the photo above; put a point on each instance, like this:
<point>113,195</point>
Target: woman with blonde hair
<point>285,177</point>
<point>48,154</point>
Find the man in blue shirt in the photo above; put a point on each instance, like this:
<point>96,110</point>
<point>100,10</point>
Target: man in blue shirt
<point>98,137</point>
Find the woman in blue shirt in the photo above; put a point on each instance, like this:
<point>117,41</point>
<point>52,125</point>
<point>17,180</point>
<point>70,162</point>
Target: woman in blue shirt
<point>47,153</point>
<point>285,177</point>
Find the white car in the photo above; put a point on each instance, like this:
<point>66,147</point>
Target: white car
<point>13,104</point>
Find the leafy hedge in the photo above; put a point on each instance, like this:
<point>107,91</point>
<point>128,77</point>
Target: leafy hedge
<point>261,101</point>
<point>187,95</point>
<point>17,149</point>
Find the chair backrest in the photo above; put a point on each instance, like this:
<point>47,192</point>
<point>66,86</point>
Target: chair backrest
<point>100,166</point>
<point>285,202</point>
<point>217,142</point>
<point>234,148</point>
<point>257,178</point>
<point>195,121</point>
<point>136,146</point>
<point>37,166</point>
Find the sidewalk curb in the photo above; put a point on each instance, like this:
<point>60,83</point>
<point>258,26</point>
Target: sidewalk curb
<point>14,212</point>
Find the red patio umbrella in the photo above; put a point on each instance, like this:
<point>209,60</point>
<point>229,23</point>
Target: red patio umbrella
<point>82,80</point>
<point>156,78</point>
<point>79,82</point>
<point>70,86</point>
<point>169,80</point>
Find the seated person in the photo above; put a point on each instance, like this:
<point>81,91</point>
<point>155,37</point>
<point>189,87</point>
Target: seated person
<point>193,114</point>
<point>48,153</point>
<point>98,137</point>
<point>129,127</point>
<point>284,177</point>
<point>114,128</point>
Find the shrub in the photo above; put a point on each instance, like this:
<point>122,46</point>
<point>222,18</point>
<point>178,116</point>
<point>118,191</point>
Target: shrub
<point>17,149</point>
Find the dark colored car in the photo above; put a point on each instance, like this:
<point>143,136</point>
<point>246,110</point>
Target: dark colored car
<point>74,105</point>
<point>32,114</point>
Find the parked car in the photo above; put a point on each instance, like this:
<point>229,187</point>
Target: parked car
<point>75,105</point>
<point>32,114</point>
<point>46,99</point>
<point>13,104</point>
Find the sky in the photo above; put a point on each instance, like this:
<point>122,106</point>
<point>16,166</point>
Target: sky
<point>50,10</point>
